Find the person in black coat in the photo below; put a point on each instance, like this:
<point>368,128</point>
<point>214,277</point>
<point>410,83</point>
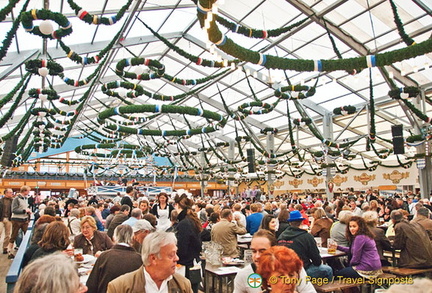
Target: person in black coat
<point>128,198</point>
<point>188,236</point>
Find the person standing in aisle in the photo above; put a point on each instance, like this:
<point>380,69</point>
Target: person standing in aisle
<point>188,237</point>
<point>20,216</point>
<point>5,217</point>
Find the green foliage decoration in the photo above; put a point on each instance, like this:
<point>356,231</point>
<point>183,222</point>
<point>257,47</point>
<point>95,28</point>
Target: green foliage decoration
<point>34,14</point>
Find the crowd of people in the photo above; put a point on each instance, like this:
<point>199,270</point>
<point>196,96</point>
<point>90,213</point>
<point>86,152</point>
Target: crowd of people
<point>157,235</point>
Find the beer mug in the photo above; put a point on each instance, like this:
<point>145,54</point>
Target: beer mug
<point>248,256</point>
<point>331,246</point>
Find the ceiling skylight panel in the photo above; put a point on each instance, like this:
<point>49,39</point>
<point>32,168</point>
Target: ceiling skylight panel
<point>179,20</point>
<point>343,12</point>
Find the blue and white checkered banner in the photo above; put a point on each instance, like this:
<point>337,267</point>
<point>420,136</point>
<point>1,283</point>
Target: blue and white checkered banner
<point>421,163</point>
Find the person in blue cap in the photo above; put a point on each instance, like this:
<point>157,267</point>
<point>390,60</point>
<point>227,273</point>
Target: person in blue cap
<point>303,243</point>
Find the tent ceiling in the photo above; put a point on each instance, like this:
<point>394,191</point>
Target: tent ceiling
<point>358,27</point>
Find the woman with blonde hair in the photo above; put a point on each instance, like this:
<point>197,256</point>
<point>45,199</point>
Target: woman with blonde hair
<point>321,226</point>
<point>381,241</point>
<point>91,240</point>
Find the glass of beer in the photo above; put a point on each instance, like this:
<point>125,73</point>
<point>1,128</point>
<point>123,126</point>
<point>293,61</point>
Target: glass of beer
<point>331,246</point>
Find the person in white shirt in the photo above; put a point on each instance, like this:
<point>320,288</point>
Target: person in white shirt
<point>237,212</point>
<point>158,274</point>
<point>261,241</point>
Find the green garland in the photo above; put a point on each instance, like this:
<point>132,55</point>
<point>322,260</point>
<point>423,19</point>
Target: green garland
<point>39,110</point>
<point>407,40</point>
<point>95,19</point>
<point>89,60</point>
<point>415,138</point>
<point>53,67</point>
<point>190,57</point>
<point>51,95</point>
<point>12,93</point>
<point>344,110</point>
<point>12,32</point>
<point>138,90</point>
<point>294,92</point>
<point>255,33</point>
<point>298,121</point>
<point>270,130</point>
<point>28,17</point>
<point>16,102</point>
<point>409,91</point>
<point>221,121</point>
<point>7,9</point>
<point>265,108</point>
<point>268,61</point>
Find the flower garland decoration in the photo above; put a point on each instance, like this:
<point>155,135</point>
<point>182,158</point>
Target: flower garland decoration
<point>295,92</point>
<point>125,150</point>
<point>43,94</point>
<point>42,112</point>
<point>265,108</point>
<point>139,61</point>
<point>95,19</point>
<point>195,59</point>
<point>219,119</point>
<point>344,110</point>
<point>404,93</point>
<point>138,90</point>
<point>256,33</point>
<point>28,17</point>
<point>160,72</point>
<point>268,61</point>
<point>43,67</point>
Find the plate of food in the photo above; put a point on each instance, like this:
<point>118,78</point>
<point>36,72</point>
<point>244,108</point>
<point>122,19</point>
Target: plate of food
<point>83,258</point>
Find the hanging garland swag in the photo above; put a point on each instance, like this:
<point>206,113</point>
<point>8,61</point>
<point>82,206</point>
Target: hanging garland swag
<point>34,66</point>
<point>221,121</point>
<point>34,14</point>
<point>95,19</point>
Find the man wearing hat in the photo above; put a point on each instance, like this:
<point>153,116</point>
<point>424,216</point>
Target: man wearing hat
<point>303,243</point>
<point>141,229</point>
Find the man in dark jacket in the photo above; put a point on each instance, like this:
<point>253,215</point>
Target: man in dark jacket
<point>413,241</point>
<point>128,198</point>
<point>305,246</point>
<point>118,219</point>
<point>5,217</point>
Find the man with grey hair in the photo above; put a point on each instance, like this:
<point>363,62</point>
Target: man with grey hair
<point>158,274</point>
<point>141,229</point>
<point>117,261</point>
<point>73,222</point>
<point>413,241</point>
<point>423,218</point>
<point>136,214</point>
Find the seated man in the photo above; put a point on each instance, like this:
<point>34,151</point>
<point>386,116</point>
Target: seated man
<point>305,246</point>
<point>413,241</point>
<point>424,220</point>
<point>158,274</point>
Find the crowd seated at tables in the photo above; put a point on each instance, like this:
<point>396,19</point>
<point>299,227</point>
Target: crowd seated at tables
<point>364,225</point>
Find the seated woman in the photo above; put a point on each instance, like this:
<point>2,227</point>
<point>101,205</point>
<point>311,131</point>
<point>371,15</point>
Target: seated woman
<point>91,240</point>
<point>284,264</point>
<point>54,239</point>
<point>321,226</point>
<point>38,276</point>
<point>381,241</point>
<point>365,260</point>
<point>270,223</point>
